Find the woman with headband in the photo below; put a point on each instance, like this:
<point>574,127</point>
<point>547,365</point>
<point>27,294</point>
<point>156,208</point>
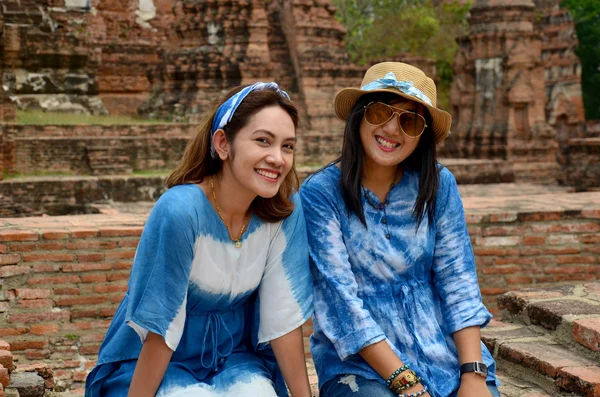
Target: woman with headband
<point>220,283</point>
<point>398,309</point>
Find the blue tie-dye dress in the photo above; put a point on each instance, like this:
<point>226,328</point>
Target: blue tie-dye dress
<point>216,305</point>
<point>388,282</point>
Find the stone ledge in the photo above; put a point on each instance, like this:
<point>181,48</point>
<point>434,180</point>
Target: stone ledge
<point>553,339</point>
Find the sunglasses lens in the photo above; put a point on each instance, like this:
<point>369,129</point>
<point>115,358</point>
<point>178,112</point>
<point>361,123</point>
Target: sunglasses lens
<point>378,113</point>
<point>412,124</point>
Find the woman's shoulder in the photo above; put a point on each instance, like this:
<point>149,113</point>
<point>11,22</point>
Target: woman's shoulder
<point>181,200</point>
<point>447,179</point>
<point>327,177</point>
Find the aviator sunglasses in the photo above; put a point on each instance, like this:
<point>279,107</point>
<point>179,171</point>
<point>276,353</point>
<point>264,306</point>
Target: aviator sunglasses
<point>411,123</point>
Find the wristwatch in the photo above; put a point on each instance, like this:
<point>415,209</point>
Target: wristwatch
<point>478,367</point>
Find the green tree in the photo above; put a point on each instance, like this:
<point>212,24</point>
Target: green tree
<point>586,14</point>
<point>380,29</point>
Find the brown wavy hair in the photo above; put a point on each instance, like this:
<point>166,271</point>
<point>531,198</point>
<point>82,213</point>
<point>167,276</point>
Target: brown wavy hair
<point>197,162</point>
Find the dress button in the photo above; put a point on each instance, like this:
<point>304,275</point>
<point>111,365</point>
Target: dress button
<point>381,206</point>
<point>221,361</point>
<point>384,221</point>
<point>387,236</point>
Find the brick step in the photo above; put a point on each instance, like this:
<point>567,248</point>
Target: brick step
<point>529,353</point>
<point>570,312</point>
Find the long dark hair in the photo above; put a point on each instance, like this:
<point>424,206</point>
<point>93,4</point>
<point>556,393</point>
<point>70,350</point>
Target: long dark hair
<point>423,159</point>
<point>197,162</point>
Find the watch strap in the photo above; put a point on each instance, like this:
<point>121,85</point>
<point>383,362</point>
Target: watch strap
<point>478,367</point>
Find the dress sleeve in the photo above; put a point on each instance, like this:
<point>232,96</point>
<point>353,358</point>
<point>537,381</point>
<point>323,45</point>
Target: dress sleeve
<point>285,291</point>
<point>454,274</point>
<point>160,273</point>
<point>339,310</point>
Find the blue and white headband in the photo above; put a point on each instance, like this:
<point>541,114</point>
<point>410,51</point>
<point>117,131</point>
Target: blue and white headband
<point>226,111</point>
<point>390,81</point>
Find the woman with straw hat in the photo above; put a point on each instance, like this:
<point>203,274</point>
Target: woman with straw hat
<point>398,309</point>
<point>220,275</point>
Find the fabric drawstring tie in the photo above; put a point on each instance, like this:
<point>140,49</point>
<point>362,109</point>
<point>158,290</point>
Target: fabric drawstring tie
<point>214,326</point>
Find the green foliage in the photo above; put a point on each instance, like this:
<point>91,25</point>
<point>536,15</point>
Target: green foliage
<point>379,29</point>
<point>586,14</point>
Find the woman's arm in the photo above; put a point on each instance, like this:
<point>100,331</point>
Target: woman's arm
<point>469,349</point>
<point>289,352</point>
<point>151,366</point>
<point>384,361</point>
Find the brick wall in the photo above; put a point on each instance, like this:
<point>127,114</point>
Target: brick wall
<point>517,250</point>
<point>63,277</point>
<point>32,149</point>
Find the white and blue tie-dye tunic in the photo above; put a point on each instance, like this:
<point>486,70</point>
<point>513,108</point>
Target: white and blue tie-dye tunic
<point>387,282</point>
<point>216,305</point>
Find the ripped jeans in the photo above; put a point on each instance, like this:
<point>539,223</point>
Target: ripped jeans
<point>356,386</point>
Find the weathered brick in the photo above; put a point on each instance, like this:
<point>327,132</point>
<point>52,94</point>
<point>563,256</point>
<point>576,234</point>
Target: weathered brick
<point>86,267</point>
<point>4,377</point>
<point>575,259</point>
<point>97,257</point>
<point>32,293</point>
<point>44,329</point>
<point>108,288</point>
<point>9,259</point>
<point>93,278</point>
<point>12,331</point>
<point>562,239</point>
<point>121,231</point>
<point>55,235</point>
<point>499,241</point>
<point>23,247</point>
<point>587,332</point>
<point>18,235</point>
<point>501,270</point>
<point>534,240</point>
<point>118,276</point>
<point>81,300</point>
<point>4,345</point>
<point>6,360</point>
<point>54,280</point>
<point>119,255</point>
<point>9,271</point>
<point>47,257</point>
<point>583,380</point>
<point>32,318</point>
<point>51,246</point>
<point>66,291</point>
<point>35,303</point>
<point>84,233</point>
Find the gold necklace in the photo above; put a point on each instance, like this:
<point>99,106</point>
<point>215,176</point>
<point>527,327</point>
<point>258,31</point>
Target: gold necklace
<point>238,243</point>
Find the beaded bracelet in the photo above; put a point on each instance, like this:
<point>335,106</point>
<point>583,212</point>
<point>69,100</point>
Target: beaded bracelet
<point>398,389</point>
<point>417,394</point>
<point>396,373</point>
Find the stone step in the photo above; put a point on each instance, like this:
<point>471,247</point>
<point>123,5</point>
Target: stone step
<point>534,356</point>
<point>513,387</point>
<point>570,312</point>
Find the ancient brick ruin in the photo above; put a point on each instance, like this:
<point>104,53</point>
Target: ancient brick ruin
<point>518,119</point>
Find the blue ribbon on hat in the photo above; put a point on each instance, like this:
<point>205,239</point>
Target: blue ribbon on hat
<point>226,111</point>
<point>390,81</point>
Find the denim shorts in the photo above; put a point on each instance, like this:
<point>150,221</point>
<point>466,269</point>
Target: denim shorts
<point>356,386</point>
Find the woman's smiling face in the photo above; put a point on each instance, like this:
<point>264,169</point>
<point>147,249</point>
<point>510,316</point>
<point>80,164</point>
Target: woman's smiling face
<point>385,144</point>
<point>263,151</point>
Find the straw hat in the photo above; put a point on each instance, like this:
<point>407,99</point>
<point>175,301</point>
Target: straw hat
<point>403,80</point>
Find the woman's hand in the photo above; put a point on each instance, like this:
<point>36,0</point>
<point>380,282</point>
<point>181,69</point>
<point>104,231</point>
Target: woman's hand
<point>473,385</point>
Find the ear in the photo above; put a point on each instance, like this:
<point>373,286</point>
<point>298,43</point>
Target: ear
<point>221,144</point>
